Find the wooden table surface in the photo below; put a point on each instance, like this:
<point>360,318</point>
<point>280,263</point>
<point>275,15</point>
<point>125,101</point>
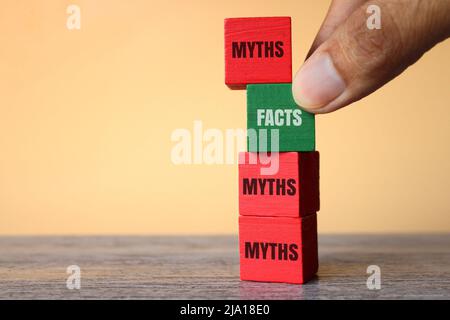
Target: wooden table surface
<point>412,267</point>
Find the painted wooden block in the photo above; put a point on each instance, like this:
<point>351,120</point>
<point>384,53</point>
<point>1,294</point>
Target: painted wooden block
<point>275,122</point>
<point>257,50</point>
<point>276,249</point>
<point>282,184</point>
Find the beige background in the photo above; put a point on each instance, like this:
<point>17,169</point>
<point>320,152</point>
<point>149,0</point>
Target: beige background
<point>86,118</point>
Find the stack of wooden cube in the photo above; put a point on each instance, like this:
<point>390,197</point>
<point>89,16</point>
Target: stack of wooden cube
<point>278,178</point>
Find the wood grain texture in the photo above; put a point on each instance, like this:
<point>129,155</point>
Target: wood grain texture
<point>291,190</point>
<point>274,249</point>
<point>257,50</point>
<point>412,267</point>
<point>296,128</point>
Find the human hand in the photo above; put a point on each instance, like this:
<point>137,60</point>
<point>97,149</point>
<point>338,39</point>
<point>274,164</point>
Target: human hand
<point>348,61</point>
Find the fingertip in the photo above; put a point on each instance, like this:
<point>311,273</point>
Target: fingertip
<point>317,83</point>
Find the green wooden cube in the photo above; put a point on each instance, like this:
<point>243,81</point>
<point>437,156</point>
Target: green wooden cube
<point>271,106</point>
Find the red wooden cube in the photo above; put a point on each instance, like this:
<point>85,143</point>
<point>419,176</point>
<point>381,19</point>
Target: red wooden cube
<point>278,249</point>
<point>257,50</point>
<point>290,191</point>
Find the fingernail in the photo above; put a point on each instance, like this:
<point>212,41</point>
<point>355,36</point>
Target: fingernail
<point>317,82</point>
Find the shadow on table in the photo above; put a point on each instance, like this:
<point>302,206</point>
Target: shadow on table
<point>250,290</point>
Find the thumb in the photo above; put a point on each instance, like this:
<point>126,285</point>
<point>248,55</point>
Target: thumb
<point>356,60</point>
